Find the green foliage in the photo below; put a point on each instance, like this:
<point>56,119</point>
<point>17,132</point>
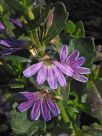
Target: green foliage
<point>44,39</point>
<point>59,21</point>
<point>21,125</point>
<point>86,47</point>
<point>75,30</point>
<point>94,130</point>
<point>93,100</point>
<point>16,58</point>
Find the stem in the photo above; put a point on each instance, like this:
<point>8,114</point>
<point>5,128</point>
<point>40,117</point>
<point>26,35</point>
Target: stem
<point>67,92</point>
<point>32,38</point>
<point>35,35</point>
<point>62,110</point>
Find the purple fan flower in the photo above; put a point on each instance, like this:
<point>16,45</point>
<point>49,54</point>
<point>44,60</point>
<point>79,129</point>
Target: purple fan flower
<point>41,103</point>
<point>16,22</point>
<point>49,70</point>
<point>12,45</point>
<point>75,62</point>
<point>2,28</point>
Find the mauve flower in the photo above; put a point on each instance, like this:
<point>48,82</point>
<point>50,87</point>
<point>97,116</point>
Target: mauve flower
<point>16,22</point>
<point>41,103</point>
<point>12,45</point>
<point>49,70</point>
<point>2,28</point>
<point>75,62</point>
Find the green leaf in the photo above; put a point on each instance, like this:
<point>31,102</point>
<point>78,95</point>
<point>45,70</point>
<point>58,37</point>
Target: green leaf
<point>79,32</point>
<point>59,21</point>
<point>19,7</point>
<point>21,125</point>
<point>41,15</point>
<point>17,83</point>
<point>16,58</point>
<point>86,48</point>
<point>8,25</point>
<point>94,130</point>
<point>93,100</point>
<point>70,27</point>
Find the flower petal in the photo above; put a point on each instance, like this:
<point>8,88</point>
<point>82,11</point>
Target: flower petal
<point>80,78</point>
<point>82,70</point>
<point>6,43</point>
<point>79,62</point>
<point>9,51</point>
<point>51,78</point>
<point>25,106</point>
<point>59,76</point>
<point>63,53</point>
<point>64,68</point>
<point>14,43</point>
<point>41,77</point>
<point>35,113</point>
<point>30,95</point>
<point>53,107</point>
<point>16,22</point>
<point>45,111</point>
<point>32,70</point>
<point>73,56</point>
<point>1,26</point>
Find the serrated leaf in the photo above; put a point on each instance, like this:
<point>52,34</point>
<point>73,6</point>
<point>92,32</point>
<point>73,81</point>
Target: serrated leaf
<point>86,47</point>
<point>59,20</point>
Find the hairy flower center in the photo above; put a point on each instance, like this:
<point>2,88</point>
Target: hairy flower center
<point>48,62</point>
<point>44,94</point>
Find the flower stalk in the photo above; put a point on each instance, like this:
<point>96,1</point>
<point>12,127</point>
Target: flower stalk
<point>62,109</point>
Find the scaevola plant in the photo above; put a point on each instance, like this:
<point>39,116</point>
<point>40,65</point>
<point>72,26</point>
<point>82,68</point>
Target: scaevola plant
<point>52,71</point>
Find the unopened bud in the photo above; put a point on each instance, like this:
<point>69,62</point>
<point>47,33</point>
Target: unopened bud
<point>50,19</point>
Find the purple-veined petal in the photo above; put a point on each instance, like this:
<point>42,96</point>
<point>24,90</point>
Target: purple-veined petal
<point>6,43</point>
<point>30,95</point>
<point>79,62</point>
<point>16,22</point>
<point>73,56</point>
<point>14,43</point>
<point>64,68</point>
<point>53,107</point>
<point>35,113</point>
<point>63,53</point>
<point>80,78</point>
<point>41,77</point>
<point>45,111</point>
<point>59,76</point>
<point>25,105</point>
<point>2,28</point>
<point>82,70</point>
<point>9,51</point>
<point>18,43</point>
<point>51,78</point>
<point>33,69</point>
